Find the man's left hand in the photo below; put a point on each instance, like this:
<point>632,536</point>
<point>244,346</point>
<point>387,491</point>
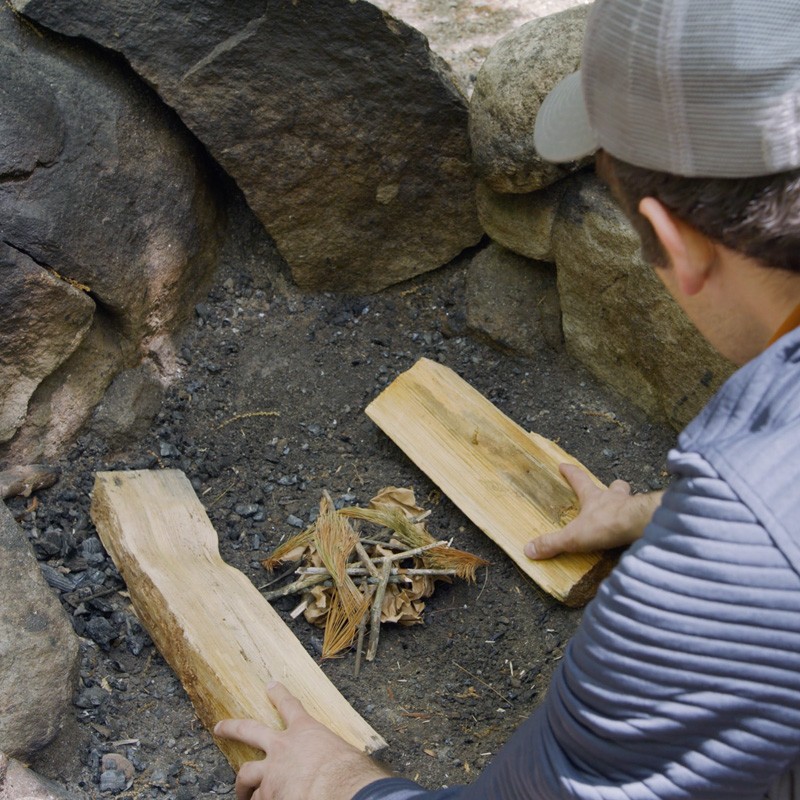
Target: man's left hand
<point>306,760</point>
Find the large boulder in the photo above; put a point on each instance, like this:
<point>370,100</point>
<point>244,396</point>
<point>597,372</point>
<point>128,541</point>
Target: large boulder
<point>617,317</point>
<point>515,78</point>
<point>346,134</point>
<point>38,649</point>
<point>513,301</point>
<point>109,223</point>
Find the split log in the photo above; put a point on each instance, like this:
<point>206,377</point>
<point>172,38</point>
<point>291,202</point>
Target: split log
<point>503,478</point>
<point>224,641</point>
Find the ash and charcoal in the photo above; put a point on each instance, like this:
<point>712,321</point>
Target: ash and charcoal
<point>316,362</point>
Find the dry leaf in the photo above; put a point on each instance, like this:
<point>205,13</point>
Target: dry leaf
<point>393,497</point>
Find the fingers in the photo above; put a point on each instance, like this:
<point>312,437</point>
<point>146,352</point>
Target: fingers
<point>583,485</point>
<point>248,779</point>
<point>247,731</point>
<point>550,544</point>
<point>578,479</point>
<point>542,547</point>
<point>289,707</point>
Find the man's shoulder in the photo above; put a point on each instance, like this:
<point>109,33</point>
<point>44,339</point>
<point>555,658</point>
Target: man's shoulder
<point>761,400</point>
<point>750,434</point>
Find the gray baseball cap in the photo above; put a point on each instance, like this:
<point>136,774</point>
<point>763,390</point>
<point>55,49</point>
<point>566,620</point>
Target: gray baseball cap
<point>705,88</point>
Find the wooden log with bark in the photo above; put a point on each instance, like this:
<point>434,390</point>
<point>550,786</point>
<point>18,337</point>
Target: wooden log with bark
<point>224,641</point>
<point>503,478</point>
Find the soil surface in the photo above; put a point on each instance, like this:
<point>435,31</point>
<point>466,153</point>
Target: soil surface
<point>446,694</point>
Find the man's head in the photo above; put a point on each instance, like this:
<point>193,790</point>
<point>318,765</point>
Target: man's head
<point>697,104</point>
<point>699,88</point>
<point>757,217</point>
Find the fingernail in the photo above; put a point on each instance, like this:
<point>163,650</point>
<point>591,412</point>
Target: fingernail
<point>272,684</point>
<point>530,550</point>
<point>216,728</point>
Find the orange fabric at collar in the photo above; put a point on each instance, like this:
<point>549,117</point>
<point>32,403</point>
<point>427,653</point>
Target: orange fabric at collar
<point>789,324</point>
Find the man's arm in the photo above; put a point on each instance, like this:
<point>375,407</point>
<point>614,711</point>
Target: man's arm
<point>683,680</point>
<point>608,518</point>
<point>306,760</point>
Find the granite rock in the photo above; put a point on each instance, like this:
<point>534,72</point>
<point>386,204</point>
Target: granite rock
<point>522,223</point>
<point>347,135</point>
<point>618,319</point>
<point>38,649</point>
<point>109,214</point>
<point>516,76</point>
<point>513,301</point>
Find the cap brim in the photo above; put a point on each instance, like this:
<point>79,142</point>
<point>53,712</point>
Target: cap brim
<point>562,131</point>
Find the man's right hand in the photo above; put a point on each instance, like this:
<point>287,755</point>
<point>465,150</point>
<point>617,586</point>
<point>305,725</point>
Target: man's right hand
<point>608,518</point>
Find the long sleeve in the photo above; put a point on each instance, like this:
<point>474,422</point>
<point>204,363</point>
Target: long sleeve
<point>684,678</point>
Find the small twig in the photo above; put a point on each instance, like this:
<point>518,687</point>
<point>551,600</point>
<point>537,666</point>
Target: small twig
<point>388,544</point>
<point>101,593</point>
<point>299,609</point>
<point>295,587</point>
<point>365,560</point>
<point>415,552</point>
<point>490,688</point>
<point>443,610</point>
<point>362,626</point>
<point>284,574</point>
<point>324,580</point>
<point>377,607</point>
<point>248,415</point>
<point>222,493</point>
<point>360,571</point>
<point>485,581</point>
<point>75,602</point>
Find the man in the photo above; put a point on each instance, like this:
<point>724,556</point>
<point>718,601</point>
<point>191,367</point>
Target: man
<point>684,678</point>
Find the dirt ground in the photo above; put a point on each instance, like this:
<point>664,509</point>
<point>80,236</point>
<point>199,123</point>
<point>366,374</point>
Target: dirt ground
<point>445,695</point>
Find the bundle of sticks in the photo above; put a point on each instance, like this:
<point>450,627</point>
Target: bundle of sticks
<point>349,581</point>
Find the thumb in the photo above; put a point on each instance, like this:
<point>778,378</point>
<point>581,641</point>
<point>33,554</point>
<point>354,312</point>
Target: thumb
<point>548,545</point>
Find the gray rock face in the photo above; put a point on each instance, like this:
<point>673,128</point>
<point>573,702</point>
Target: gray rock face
<point>523,223</point>
<point>38,649</point>
<point>17,782</point>
<point>346,135</point>
<point>128,407</point>
<point>513,301</point>
<point>515,78</point>
<point>43,321</point>
<point>618,319</point>
<point>107,218</point>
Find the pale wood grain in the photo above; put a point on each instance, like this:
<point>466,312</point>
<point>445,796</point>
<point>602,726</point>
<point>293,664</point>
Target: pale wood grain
<point>503,478</point>
<point>224,641</point>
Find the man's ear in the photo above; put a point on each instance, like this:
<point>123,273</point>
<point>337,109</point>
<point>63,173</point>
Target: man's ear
<point>690,254</point>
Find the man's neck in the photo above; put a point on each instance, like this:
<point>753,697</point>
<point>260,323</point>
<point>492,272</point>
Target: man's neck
<point>759,299</point>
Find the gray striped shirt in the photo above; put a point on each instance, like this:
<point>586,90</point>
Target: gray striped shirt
<point>684,678</point>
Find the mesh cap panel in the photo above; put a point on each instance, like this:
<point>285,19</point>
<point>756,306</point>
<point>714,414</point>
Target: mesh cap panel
<point>693,87</point>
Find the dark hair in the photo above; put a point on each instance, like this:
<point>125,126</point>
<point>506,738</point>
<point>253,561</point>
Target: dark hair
<point>757,217</point>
